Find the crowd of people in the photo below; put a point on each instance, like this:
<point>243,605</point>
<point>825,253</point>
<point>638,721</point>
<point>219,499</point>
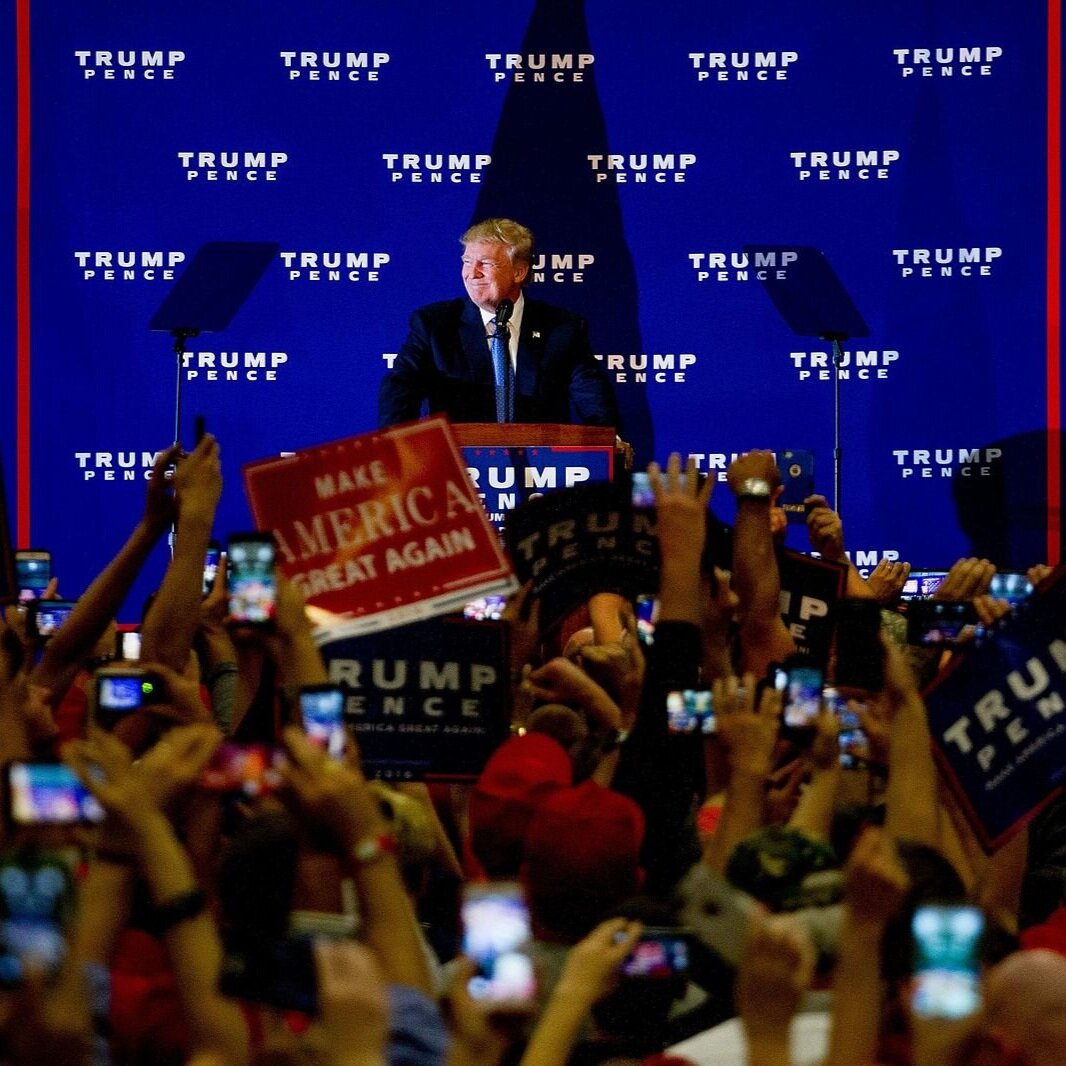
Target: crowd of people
<point>702,897</point>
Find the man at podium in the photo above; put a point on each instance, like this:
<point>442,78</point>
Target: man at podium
<point>497,356</point>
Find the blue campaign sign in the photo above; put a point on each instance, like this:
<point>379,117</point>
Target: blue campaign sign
<point>429,701</point>
<point>998,719</point>
<point>506,477</point>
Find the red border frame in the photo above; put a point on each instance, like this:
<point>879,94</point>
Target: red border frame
<point>1053,295</point>
<point>1054,279</point>
<point>22,276</point>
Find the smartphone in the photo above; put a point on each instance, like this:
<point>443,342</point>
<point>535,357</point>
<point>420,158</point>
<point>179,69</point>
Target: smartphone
<point>1011,586</point>
<point>128,645</point>
<point>47,793</point>
<point>947,975</point>
<point>199,428</point>
<point>33,571</point>
<point>44,618</point>
<point>690,711</point>
<point>250,579</point>
<point>860,658</point>
<point>211,561</point>
<point>249,770</point>
<point>921,584</point>
<point>36,904</point>
<point>647,612</point>
<point>279,973</point>
<point>497,935</point>
<point>939,623</point>
<point>488,608</point>
<point>797,482</point>
<point>120,692</point>
<point>854,744</point>
<point>642,494</point>
<point>802,696</point>
<point>659,954</point>
<point>322,714</point>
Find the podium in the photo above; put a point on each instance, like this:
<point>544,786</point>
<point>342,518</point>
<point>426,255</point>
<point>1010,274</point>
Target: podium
<point>511,461</point>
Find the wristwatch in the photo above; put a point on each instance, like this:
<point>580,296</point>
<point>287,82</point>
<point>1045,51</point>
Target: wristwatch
<point>755,488</point>
<point>370,849</point>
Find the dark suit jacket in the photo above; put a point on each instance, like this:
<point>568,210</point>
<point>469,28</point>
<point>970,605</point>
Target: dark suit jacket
<point>445,367</point>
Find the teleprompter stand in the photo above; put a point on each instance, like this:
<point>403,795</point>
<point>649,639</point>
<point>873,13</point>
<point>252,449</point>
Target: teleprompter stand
<point>209,293</point>
<point>813,302</point>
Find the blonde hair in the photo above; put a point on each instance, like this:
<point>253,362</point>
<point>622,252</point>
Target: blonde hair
<point>514,235</point>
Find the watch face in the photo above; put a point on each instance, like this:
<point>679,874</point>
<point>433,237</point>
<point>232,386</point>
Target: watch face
<point>755,486</point>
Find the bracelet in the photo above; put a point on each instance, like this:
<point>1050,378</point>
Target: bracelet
<point>182,907</point>
<point>371,849</point>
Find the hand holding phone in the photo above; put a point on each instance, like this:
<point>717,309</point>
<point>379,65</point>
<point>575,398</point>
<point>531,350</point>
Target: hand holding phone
<point>947,974</point>
<point>33,572</point>
<point>250,579</point>
<point>497,934</point>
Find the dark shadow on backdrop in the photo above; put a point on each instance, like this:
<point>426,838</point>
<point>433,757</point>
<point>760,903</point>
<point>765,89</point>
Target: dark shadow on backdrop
<point>1005,514</point>
<point>540,175</point>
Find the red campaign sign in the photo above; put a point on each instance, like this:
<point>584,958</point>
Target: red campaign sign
<point>379,530</point>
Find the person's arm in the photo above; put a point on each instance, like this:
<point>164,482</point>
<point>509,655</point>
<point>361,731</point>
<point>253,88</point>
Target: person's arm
<point>814,812</point>
<point>775,973</point>
<point>131,794</point>
<point>98,605</point>
<point>911,808</point>
<point>874,886</point>
<point>170,625</point>
<point>590,971</point>
<point>406,384</point>
<point>749,736</point>
<point>298,658</point>
<point>826,533</point>
<point>764,639</point>
<point>337,797</point>
<point>591,391</point>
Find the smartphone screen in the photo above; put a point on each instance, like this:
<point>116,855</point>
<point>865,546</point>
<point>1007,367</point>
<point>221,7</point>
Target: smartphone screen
<point>497,935</point>
<point>250,770</point>
<point>121,692</point>
<point>250,578</point>
<point>488,608</point>
<point>803,696</point>
<point>939,623</point>
<point>211,560</point>
<point>647,612</point>
<point>860,658</point>
<point>33,571</point>
<point>947,941</point>
<point>36,901</point>
<point>690,711</point>
<point>659,954</point>
<point>41,793</point>
<point>44,618</point>
<point>921,584</point>
<point>322,713</point>
<point>1009,586</point>
<point>128,645</point>
<point>854,744</point>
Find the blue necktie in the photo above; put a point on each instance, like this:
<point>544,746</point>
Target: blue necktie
<point>501,365</point>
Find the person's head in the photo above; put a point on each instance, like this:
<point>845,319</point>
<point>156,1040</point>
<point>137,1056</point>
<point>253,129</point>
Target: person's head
<point>521,774</point>
<point>497,255</point>
<point>581,859</point>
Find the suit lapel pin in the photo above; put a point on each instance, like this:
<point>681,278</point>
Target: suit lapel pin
<point>536,334</point>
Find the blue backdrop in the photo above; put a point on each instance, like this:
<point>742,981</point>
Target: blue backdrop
<point>644,144</point>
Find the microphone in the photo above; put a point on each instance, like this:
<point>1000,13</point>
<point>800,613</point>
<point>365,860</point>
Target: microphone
<point>503,312</point>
